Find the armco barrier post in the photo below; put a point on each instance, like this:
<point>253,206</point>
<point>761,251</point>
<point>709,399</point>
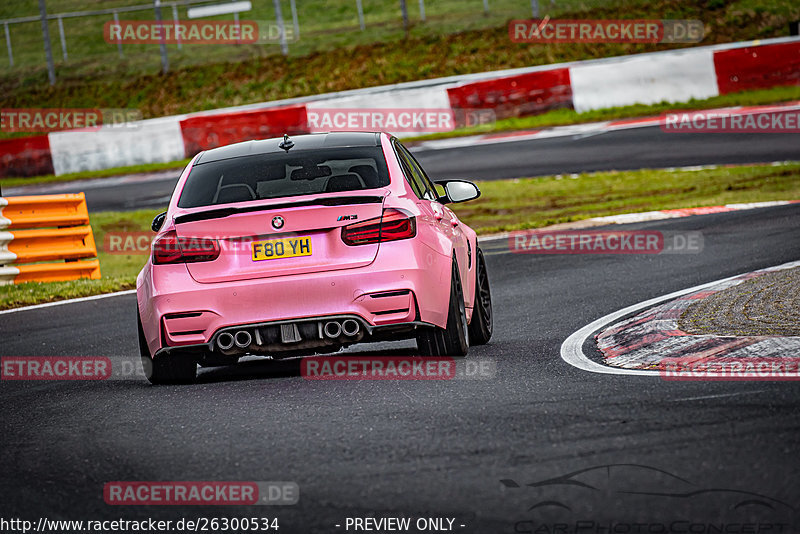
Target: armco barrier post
<point>46,228</point>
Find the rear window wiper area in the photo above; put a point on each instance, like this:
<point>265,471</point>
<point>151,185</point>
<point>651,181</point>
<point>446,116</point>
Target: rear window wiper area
<point>220,213</point>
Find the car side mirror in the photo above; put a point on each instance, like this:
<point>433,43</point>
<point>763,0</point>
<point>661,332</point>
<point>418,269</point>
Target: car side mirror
<point>458,191</point>
<point>158,222</point>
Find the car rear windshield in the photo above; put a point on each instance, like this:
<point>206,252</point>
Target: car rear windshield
<point>278,175</point>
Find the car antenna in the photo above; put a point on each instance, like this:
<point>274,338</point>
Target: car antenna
<point>287,143</point>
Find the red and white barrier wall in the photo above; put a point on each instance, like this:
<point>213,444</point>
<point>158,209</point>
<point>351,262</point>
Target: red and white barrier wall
<point>134,143</point>
<point>672,76</point>
<point>757,67</point>
<point>419,99</point>
<point>648,79</point>
<point>26,156</point>
<point>515,96</point>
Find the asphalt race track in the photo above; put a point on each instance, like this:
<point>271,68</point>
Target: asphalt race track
<point>431,448</point>
<point>637,148</point>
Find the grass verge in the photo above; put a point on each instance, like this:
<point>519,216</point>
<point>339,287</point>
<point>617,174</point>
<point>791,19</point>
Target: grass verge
<point>536,202</point>
<point>505,205</point>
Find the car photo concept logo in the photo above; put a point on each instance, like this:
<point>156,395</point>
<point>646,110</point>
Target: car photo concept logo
<point>594,500</point>
<point>277,222</point>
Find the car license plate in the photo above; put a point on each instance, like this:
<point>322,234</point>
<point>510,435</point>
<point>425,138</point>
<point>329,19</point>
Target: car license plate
<point>274,249</point>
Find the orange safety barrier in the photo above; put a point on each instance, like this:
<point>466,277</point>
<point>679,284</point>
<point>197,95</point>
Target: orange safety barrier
<point>46,210</point>
<point>52,244</point>
<point>58,272</point>
<point>46,228</point>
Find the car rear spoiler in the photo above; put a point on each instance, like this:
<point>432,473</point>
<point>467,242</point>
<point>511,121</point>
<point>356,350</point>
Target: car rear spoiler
<point>220,213</point>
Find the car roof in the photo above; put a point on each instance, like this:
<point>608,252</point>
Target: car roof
<point>301,142</point>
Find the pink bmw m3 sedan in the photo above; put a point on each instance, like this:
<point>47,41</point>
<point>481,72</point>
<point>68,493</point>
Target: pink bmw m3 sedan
<point>300,246</point>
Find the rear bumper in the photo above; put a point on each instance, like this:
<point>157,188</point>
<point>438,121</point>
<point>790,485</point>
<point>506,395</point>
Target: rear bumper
<point>408,282</point>
<point>367,335</point>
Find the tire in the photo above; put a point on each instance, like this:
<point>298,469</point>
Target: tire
<point>454,339</point>
<point>480,327</point>
<point>167,368</point>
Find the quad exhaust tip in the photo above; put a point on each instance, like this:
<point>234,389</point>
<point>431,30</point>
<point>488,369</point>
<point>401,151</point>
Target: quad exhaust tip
<point>350,327</point>
<point>243,339</point>
<point>225,341</point>
<point>332,329</point>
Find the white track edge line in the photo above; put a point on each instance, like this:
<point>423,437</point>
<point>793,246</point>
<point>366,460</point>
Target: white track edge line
<point>572,348</point>
<point>70,301</point>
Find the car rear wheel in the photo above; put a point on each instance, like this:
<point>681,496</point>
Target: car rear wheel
<point>166,368</point>
<point>454,339</point>
<point>480,327</point>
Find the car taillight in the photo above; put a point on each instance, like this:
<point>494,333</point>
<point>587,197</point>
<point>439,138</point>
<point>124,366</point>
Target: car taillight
<point>393,225</point>
<point>169,248</point>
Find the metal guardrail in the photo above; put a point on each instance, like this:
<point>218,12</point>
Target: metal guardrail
<point>46,228</point>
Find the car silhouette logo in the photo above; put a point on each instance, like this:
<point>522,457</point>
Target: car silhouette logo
<point>277,222</point>
<point>673,488</point>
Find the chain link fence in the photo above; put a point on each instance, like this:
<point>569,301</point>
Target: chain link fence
<point>77,44</point>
